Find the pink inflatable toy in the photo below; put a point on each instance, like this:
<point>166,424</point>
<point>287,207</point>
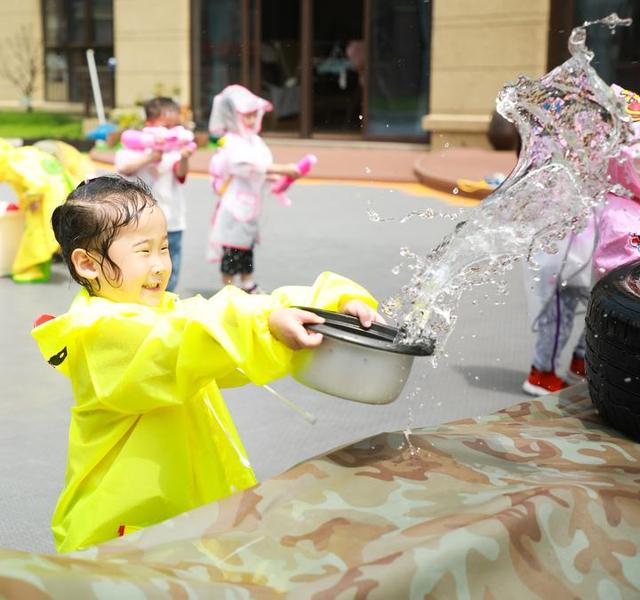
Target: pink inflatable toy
<point>158,138</point>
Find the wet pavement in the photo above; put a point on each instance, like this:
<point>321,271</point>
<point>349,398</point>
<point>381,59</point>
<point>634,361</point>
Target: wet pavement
<point>327,228</point>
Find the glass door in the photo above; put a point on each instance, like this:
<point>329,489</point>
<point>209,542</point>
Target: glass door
<point>277,63</point>
<point>217,52</point>
<point>398,68</point>
<point>338,62</point>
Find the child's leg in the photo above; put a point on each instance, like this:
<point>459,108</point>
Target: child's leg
<point>554,327</point>
<point>246,273</point>
<point>175,252</point>
<point>580,349</point>
<point>228,266</point>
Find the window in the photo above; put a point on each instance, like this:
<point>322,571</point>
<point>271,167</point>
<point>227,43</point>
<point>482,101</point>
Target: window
<point>70,28</point>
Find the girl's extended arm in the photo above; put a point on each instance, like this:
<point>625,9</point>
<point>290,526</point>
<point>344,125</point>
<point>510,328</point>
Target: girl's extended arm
<point>288,169</point>
<point>131,359</point>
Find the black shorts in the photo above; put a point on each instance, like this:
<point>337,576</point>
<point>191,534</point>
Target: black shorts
<point>235,260</point>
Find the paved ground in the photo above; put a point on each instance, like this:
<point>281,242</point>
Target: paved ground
<point>326,229</point>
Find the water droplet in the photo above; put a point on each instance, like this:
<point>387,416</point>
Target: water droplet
<point>627,379</point>
<point>396,270</point>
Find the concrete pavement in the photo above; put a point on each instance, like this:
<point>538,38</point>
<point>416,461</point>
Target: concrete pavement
<point>327,228</point>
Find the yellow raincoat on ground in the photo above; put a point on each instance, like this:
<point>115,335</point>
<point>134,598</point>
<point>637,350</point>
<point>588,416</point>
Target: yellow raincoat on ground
<point>150,435</point>
<point>77,166</point>
<point>41,185</point>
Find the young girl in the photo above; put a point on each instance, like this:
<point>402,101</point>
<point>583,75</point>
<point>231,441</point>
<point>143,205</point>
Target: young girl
<point>150,435</point>
<point>239,171</point>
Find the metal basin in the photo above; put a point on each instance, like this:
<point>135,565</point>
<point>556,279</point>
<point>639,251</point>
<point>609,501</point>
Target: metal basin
<point>363,365</point>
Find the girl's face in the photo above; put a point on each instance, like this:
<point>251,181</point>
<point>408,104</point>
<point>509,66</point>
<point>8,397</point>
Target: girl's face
<point>141,251</point>
<point>168,119</point>
<point>249,120</point>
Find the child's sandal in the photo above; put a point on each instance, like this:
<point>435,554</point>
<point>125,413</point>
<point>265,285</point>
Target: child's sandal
<point>254,289</point>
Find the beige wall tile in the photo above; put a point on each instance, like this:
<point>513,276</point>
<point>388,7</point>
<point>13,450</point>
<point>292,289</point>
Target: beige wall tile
<point>152,47</point>
<point>477,47</point>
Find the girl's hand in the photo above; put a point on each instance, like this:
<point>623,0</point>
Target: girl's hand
<point>186,152</point>
<point>288,326</point>
<point>366,314</point>
<point>291,170</point>
<point>155,156</point>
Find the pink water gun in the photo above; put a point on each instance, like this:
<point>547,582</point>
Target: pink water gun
<point>304,166</point>
<point>282,184</point>
<point>158,138</point>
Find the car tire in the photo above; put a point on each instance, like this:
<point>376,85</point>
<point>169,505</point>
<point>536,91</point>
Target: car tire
<point>613,348</point>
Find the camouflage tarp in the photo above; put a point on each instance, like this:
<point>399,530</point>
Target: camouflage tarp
<point>537,501</point>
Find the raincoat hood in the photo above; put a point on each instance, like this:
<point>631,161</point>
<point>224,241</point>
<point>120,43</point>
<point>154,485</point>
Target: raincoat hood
<point>230,104</point>
<point>624,170</point>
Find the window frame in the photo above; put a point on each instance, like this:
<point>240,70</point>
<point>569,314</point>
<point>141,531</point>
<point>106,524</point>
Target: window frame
<point>61,45</point>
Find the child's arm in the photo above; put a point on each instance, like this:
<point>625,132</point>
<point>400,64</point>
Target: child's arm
<point>133,360</point>
<point>129,163</point>
<point>288,169</point>
<point>288,324</point>
<point>181,168</point>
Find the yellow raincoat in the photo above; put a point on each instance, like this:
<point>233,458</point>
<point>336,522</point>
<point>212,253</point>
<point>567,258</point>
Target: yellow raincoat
<point>77,166</point>
<point>41,185</point>
<point>150,435</point>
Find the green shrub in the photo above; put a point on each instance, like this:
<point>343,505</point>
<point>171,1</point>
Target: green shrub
<point>127,118</point>
<point>40,125</point>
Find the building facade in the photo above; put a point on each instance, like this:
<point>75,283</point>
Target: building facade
<point>369,69</point>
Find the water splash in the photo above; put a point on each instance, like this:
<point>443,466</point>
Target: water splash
<point>571,124</point>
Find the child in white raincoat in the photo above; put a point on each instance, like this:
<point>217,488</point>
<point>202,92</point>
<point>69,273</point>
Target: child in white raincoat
<point>150,435</point>
<point>239,171</point>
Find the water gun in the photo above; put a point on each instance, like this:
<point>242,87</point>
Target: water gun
<point>304,166</point>
<point>158,138</point>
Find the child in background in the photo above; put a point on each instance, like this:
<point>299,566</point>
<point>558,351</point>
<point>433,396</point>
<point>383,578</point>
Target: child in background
<point>150,435</point>
<point>619,224</point>
<point>165,173</point>
<point>239,171</point>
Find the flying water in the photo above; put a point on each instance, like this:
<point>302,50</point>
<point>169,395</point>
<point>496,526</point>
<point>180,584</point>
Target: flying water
<point>570,124</point>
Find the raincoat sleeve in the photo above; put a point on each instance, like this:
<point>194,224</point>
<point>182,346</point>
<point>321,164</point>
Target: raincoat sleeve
<point>618,236</point>
<point>329,292</point>
<point>138,364</point>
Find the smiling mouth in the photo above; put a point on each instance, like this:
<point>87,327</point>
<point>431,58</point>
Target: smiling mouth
<point>156,287</point>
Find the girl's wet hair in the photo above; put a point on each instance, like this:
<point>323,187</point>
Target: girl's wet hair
<point>92,216</point>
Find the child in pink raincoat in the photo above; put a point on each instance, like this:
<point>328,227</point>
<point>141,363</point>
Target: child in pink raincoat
<point>619,226</point>
<point>239,171</point>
